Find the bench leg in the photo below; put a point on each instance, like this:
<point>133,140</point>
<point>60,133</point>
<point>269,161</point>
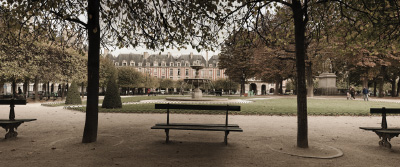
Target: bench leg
<point>226,137</point>
<point>167,135</point>
<point>11,133</point>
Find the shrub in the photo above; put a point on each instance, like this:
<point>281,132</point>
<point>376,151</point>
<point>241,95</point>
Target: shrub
<point>73,95</point>
<point>112,99</point>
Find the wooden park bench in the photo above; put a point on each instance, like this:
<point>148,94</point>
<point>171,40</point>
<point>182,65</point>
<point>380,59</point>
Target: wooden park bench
<point>192,126</point>
<point>384,132</point>
<point>11,124</point>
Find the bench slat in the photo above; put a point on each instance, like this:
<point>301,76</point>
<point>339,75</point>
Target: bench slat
<point>377,128</point>
<point>16,102</point>
<point>197,107</point>
<point>389,131</point>
<point>193,124</point>
<point>234,129</point>
<point>23,120</point>
<point>387,110</point>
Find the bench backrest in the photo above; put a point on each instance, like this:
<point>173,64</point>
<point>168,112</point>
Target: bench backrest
<point>197,107</point>
<point>384,110</point>
<point>12,101</point>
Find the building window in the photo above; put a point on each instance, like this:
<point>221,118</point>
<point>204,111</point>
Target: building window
<point>202,73</point>
<point>210,65</point>
<point>132,63</point>
<point>124,63</point>
<point>178,64</point>
<point>139,64</point>
<point>155,71</point>
<point>187,72</point>
<point>163,77</point>
<point>218,73</point>
<point>210,73</point>
<point>171,64</point>
<point>116,64</point>
<point>148,64</point>
<point>163,64</point>
<point>163,71</point>
<point>171,72</point>
<point>171,77</point>
<point>179,72</point>
<point>216,65</point>
<point>155,64</point>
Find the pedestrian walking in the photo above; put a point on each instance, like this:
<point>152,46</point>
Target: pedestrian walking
<point>365,92</point>
<point>352,93</point>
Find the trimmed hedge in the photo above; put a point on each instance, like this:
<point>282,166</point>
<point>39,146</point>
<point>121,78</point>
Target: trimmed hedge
<point>73,96</point>
<point>112,99</point>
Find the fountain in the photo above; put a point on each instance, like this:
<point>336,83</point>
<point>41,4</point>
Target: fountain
<point>197,95</point>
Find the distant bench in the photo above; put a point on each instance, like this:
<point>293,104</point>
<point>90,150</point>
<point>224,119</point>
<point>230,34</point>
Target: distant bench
<point>384,132</point>
<point>192,126</point>
<point>11,124</point>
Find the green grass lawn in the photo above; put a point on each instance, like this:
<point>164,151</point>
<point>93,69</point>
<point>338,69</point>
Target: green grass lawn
<point>283,106</point>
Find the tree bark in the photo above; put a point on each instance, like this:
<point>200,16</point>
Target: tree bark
<point>242,88</point>
<point>375,87</point>
<point>36,87</point>
<point>25,88</point>
<point>92,110</point>
<point>398,88</point>
<point>310,81</point>
<point>299,23</point>
<point>13,88</point>
<point>48,90</point>
<point>82,90</point>
<point>393,93</point>
<point>276,91</point>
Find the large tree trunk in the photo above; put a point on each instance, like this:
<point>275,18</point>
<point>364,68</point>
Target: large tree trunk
<point>36,89</point>
<point>398,88</point>
<point>375,87</point>
<point>381,80</point>
<point>48,90</point>
<point>92,110</point>
<point>63,91</point>
<point>394,77</point>
<point>83,90</point>
<point>381,92</point>
<point>302,123</point>
<point>242,88</point>
<point>310,82</point>
<point>13,88</point>
<point>276,91</point>
<point>25,88</point>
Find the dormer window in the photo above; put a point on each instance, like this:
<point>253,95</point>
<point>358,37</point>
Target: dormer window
<point>132,63</point>
<point>155,64</point>
<point>210,65</point>
<point>116,64</point>
<point>139,64</point>
<point>124,63</point>
<point>171,64</point>
<point>178,64</point>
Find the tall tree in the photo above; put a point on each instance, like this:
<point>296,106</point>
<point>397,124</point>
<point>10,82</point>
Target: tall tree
<point>237,58</point>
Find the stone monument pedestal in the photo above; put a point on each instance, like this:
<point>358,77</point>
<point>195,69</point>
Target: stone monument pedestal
<point>327,84</point>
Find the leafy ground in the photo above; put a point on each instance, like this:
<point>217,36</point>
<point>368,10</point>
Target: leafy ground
<point>268,106</point>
